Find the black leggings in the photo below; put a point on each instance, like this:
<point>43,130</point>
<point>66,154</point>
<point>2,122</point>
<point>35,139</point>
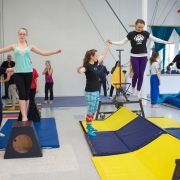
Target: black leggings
<point>32,94</point>
<point>23,83</point>
<point>49,86</point>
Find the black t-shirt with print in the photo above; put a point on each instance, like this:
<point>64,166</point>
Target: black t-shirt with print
<point>92,77</point>
<point>138,41</point>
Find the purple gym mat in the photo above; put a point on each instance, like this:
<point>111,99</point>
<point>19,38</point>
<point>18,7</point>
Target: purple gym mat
<point>68,101</point>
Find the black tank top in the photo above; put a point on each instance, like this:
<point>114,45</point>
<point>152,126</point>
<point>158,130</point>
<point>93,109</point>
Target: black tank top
<point>11,80</point>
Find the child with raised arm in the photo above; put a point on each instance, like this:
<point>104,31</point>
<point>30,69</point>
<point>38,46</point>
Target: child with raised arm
<point>90,63</point>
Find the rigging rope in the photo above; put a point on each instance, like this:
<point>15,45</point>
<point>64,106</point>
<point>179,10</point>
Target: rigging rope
<point>116,16</point>
<point>95,27</point>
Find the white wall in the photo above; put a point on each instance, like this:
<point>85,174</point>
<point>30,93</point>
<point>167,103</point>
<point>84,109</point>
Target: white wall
<point>64,24</point>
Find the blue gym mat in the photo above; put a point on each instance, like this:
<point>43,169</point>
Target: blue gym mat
<point>46,131</point>
<point>175,101</point>
<point>174,131</point>
<point>134,135</point>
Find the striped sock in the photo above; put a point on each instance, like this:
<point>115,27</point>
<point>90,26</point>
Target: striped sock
<point>88,119</point>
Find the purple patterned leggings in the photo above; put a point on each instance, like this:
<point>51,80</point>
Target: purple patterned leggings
<point>138,66</point>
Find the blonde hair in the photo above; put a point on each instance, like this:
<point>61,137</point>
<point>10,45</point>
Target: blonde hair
<point>49,62</point>
<point>88,55</point>
<point>24,30</point>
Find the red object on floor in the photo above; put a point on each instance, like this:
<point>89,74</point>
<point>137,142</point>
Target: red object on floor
<point>10,116</point>
<point>179,11</point>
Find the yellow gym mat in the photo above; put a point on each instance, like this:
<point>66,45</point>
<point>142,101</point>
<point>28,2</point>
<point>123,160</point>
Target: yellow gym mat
<point>155,161</point>
<point>164,122</point>
<point>115,121</point>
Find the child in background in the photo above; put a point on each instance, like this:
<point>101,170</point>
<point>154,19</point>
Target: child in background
<point>34,86</point>
<point>48,71</point>
<point>154,80</point>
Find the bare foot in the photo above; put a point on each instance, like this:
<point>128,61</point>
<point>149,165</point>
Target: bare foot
<point>154,106</point>
<point>45,102</point>
<point>50,102</point>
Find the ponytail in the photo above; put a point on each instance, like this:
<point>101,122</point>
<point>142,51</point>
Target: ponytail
<point>88,55</point>
<point>154,57</point>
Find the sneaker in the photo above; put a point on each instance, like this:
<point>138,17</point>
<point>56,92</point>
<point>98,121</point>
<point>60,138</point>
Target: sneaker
<point>138,95</point>
<point>91,133</point>
<point>90,128</point>
<point>133,92</point>
<point>2,135</point>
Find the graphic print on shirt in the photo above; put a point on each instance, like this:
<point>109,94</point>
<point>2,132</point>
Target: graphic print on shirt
<point>95,68</point>
<point>139,38</point>
<point>22,52</point>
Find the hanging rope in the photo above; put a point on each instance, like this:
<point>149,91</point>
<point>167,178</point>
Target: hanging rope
<point>165,17</point>
<point>154,15</point>
<point>163,11</point>
<point>116,16</point>
<point>96,28</point>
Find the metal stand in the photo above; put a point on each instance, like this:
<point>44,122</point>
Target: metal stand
<point>123,92</point>
<point>118,105</point>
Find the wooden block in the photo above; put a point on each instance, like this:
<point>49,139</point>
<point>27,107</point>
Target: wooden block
<point>33,113</point>
<point>23,141</point>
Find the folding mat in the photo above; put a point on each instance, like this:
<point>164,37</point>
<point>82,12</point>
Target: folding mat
<point>116,120</point>
<point>130,137</point>
<point>46,131</point>
<point>155,161</point>
<point>129,147</point>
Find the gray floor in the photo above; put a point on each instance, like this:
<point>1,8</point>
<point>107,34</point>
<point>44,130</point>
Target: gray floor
<point>72,161</point>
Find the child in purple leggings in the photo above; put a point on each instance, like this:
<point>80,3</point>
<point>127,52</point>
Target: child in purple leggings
<point>138,39</point>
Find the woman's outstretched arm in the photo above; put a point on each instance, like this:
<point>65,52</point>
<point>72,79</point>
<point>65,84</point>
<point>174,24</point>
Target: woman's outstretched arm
<point>44,53</point>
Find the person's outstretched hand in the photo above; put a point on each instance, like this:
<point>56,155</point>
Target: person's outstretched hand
<point>58,51</point>
<point>109,41</point>
<point>170,43</point>
<point>79,68</point>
